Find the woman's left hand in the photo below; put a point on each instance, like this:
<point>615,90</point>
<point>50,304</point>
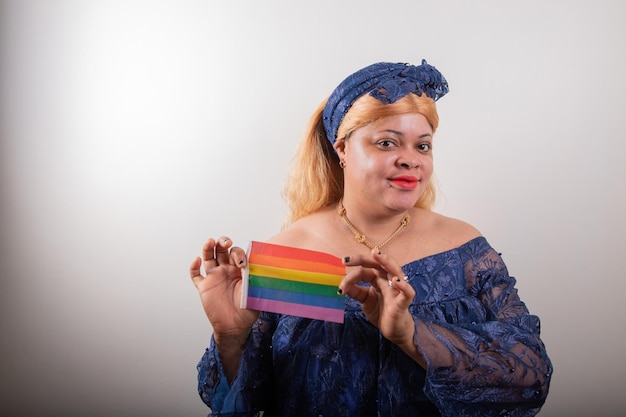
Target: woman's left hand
<point>386,301</point>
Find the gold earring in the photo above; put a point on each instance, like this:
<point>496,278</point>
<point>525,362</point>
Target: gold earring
<point>342,163</point>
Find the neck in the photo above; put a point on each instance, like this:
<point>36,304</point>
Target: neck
<point>374,231</point>
<point>368,216</point>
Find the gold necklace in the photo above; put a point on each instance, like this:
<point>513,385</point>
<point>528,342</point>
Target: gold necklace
<point>360,237</point>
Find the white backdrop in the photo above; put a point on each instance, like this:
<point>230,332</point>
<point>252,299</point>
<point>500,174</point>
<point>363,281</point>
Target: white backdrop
<point>131,131</point>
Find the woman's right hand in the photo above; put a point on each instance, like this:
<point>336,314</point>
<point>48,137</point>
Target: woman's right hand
<point>220,291</point>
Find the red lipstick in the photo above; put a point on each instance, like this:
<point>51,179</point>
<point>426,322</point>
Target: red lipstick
<point>406,182</point>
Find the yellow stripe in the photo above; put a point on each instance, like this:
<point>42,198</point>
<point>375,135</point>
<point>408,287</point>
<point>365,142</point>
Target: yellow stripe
<point>295,275</point>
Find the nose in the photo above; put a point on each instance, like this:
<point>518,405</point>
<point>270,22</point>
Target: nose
<point>410,163</point>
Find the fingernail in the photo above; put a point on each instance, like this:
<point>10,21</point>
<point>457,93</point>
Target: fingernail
<point>346,259</point>
<point>406,278</point>
<point>339,291</point>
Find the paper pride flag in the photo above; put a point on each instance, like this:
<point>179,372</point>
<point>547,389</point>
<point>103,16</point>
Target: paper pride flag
<point>298,282</point>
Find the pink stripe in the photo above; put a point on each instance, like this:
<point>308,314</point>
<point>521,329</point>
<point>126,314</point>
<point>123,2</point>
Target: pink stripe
<point>301,310</point>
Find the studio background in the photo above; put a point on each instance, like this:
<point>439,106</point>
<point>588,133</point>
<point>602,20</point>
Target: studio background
<point>131,131</point>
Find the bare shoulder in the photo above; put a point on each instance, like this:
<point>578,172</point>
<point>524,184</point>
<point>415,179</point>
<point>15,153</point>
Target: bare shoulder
<point>309,232</point>
<point>448,231</point>
<point>460,229</point>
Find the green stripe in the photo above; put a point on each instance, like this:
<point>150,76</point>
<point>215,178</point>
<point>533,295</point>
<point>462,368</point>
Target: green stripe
<point>294,286</point>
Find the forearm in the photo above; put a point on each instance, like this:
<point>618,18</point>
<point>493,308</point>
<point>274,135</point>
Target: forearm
<point>230,349</point>
<point>408,344</point>
<point>512,368</point>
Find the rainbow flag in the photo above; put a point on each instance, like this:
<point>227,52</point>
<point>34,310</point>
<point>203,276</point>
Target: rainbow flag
<point>298,282</point>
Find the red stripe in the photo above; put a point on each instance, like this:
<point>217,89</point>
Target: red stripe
<point>280,251</point>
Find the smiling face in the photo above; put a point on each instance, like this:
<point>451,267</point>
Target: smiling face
<point>388,162</point>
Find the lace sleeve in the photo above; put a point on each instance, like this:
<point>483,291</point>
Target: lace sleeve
<point>495,367</point>
<point>251,390</point>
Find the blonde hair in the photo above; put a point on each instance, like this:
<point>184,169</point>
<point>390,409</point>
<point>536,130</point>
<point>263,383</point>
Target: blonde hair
<point>316,179</point>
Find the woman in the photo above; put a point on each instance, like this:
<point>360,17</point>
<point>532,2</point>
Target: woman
<point>433,323</point>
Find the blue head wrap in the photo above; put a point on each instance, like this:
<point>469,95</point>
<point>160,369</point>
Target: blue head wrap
<point>385,81</point>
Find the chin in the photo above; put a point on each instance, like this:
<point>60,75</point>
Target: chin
<point>404,203</point>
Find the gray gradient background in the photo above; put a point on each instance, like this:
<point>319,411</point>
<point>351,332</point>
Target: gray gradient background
<point>131,131</point>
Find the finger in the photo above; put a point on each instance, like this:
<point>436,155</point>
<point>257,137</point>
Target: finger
<point>194,270</point>
<point>355,276</point>
<point>400,290</point>
<point>387,263</point>
<point>221,250</point>
<point>363,261</point>
<point>238,257</point>
<point>396,282</point>
<point>359,293</point>
<point>208,255</point>
<point>368,269</point>
<point>383,284</point>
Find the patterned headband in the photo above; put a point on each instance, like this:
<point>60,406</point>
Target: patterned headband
<point>384,81</point>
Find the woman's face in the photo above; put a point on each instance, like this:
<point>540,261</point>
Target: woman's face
<point>388,162</point>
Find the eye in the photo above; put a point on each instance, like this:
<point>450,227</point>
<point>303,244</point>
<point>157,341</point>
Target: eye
<point>385,143</point>
<point>424,147</point>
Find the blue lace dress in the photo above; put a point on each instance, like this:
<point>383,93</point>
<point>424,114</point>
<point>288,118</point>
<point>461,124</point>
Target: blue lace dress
<point>484,353</point>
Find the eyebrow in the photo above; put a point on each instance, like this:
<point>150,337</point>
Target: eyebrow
<point>424,135</point>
